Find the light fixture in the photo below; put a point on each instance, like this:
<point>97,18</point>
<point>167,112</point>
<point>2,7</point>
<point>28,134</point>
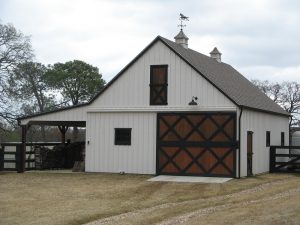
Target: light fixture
<point>193,102</point>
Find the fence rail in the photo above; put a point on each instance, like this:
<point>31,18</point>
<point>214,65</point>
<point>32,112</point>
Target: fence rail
<point>285,159</point>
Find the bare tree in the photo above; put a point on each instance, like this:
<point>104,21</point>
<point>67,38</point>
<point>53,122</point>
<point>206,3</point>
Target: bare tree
<point>15,48</point>
<point>290,101</point>
<point>286,94</point>
<point>272,90</point>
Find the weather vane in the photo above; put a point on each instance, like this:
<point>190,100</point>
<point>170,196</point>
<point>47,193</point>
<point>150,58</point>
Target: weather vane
<point>182,18</point>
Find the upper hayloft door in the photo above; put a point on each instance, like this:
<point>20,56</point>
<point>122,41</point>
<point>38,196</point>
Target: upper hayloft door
<point>201,144</point>
<point>159,85</point>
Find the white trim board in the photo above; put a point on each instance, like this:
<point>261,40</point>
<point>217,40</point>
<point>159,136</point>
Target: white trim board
<point>160,109</point>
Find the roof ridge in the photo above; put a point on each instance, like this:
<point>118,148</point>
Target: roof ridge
<point>190,49</point>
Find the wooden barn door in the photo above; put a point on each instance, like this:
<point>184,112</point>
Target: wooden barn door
<point>249,153</point>
<point>202,144</point>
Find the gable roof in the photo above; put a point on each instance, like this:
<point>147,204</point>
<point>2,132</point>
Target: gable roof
<point>221,75</point>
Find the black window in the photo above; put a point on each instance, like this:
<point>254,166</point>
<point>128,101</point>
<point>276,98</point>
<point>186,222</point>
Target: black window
<point>282,138</point>
<point>159,85</point>
<point>122,136</point>
<point>268,138</point>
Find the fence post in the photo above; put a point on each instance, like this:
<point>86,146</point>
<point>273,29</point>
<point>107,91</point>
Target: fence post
<point>22,151</point>
<point>272,158</point>
<point>1,157</point>
<point>19,159</point>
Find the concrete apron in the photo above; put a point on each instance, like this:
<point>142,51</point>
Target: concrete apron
<point>166,178</point>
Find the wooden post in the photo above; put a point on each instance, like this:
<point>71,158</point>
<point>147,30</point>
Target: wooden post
<point>1,157</point>
<point>63,130</point>
<point>272,159</point>
<point>21,152</point>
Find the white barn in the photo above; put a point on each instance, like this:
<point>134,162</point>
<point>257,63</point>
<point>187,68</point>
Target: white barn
<point>175,111</point>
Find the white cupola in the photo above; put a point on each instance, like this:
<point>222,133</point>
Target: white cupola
<point>215,54</point>
<point>181,39</point>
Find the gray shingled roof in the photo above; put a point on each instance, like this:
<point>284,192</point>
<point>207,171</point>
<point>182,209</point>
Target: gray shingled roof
<point>228,80</point>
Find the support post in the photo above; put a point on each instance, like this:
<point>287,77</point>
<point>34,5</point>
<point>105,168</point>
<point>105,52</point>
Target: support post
<point>272,159</point>
<point>21,151</point>
<point>1,157</point>
<point>63,130</point>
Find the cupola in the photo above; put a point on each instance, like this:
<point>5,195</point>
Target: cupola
<point>181,39</point>
<point>215,54</point>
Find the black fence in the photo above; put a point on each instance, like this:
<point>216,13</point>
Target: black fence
<point>11,156</point>
<point>285,159</point>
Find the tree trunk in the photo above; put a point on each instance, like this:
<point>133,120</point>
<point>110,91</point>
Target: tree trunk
<point>63,130</point>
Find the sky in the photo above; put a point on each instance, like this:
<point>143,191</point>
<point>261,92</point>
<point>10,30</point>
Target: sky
<point>259,38</point>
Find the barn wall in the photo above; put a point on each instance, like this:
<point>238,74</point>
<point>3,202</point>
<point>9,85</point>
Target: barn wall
<point>259,123</point>
<point>73,114</point>
<point>103,156</point>
<point>132,89</point>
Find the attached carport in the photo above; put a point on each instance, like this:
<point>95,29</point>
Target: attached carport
<point>63,126</point>
<point>74,116</point>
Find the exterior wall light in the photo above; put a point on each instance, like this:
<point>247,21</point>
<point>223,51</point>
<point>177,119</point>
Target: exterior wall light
<point>193,102</point>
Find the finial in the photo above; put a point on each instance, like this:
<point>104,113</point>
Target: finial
<point>182,18</point>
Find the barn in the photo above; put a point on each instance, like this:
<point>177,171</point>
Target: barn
<point>175,111</point>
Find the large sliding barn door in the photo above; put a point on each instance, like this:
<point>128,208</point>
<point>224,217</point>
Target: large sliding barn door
<point>202,144</point>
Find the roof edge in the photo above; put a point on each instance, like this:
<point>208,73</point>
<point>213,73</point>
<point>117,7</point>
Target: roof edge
<point>265,111</point>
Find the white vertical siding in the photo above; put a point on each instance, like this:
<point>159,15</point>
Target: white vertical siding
<point>259,123</point>
<point>103,156</point>
<point>132,88</point>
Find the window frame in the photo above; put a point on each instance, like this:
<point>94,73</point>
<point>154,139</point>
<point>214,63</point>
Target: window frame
<point>165,86</point>
<point>122,142</point>
<point>268,138</point>
<point>282,138</point>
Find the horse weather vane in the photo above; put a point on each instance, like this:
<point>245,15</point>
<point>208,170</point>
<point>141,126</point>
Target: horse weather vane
<point>182,18</point>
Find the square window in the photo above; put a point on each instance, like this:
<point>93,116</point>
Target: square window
<point>268,138</point>
<point>122,136</point>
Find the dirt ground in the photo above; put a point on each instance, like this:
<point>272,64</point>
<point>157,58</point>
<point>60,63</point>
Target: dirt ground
<point>35,198</point>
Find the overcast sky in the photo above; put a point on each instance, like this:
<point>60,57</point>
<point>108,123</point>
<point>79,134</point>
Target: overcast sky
<point>260,38</point>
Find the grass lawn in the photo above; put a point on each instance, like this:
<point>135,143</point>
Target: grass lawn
<point>37,198</point>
